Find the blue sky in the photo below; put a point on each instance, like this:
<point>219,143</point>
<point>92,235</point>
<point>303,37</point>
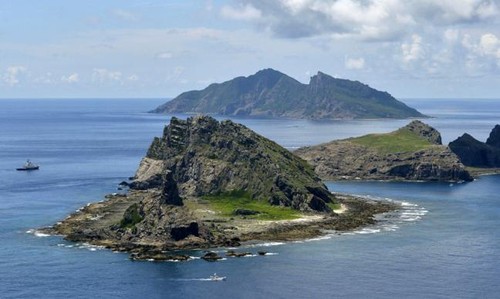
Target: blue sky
<point>141,48</point>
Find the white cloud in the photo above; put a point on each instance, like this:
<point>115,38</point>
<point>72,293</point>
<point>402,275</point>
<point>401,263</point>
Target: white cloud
<point>355,63</point>
<point>133,77</point>
<point>12,74</point>
<point>414,50</point>
<point>489,44</point>
<point>73,78</point>
<point>244,12</point>
<point>365,19</point>
<point>125,15</point>
<point>102,75</point>
<point>164,55</point>
<point>451,35</point>
<point>452,11</point>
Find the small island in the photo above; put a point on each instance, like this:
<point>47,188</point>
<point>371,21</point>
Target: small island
<point>206,184</point>
<point>272,94</point>
<point>475,153</point>
<point>411,153</point>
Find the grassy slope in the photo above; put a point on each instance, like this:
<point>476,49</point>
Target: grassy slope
<point>226,203</point>
<point>400,141</point>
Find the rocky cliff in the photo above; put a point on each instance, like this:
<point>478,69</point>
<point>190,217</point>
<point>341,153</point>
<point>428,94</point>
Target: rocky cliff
<point>473,152</point>
<point>202,156</point>
<point>413,152</point>
<point>270,93</point>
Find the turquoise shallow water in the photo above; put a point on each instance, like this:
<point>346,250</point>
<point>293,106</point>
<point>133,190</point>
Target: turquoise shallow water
<point>444,244</point>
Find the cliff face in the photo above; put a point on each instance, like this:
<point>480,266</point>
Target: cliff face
<point>201,156</point>
<point>473,152</point>
<point>269,93</point>
<point>410,153</point>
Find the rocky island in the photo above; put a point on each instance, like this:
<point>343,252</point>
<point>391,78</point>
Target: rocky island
<point>479,154</point>
<point>206,183</point>
<point>413,152</point>
<point>270,93</point>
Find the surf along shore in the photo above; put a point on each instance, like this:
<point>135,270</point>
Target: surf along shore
<point>91,224</point>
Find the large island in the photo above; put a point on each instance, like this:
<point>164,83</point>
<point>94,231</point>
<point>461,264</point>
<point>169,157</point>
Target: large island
<point>206,183</point>
<point>270,93</point>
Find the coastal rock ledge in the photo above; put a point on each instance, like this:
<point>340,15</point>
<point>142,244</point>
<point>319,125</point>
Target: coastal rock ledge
<point>206,183</point>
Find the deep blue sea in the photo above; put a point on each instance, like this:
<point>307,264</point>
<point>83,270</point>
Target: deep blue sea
<point>444,244</point>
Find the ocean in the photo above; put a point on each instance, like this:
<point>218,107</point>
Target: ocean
<point>445,243</point>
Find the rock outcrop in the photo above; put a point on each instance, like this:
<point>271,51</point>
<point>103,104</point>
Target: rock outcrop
<point>269,93</point>
<point>410,153</point>
<point>475,153</point>
<point>201,156</point>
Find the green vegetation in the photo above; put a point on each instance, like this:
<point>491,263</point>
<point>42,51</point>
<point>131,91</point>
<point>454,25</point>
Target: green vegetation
<point>400,141</point>
<point>273,94</point>
<point>131,217</point>
<point>334,206</point>
<point>226,203</point>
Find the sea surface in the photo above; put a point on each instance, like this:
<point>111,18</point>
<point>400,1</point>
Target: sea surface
<point>445,243</point>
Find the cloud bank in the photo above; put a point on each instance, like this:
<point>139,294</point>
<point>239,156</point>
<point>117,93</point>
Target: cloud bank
<point>375,20</point>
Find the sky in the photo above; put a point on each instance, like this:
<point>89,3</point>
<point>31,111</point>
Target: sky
<point>161,48</point>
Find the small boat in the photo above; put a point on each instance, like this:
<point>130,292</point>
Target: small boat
<point>215,277</point>
<point>29,166</point>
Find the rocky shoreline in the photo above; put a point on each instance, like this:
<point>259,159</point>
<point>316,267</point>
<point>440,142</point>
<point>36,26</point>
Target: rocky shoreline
<point>90,225</point>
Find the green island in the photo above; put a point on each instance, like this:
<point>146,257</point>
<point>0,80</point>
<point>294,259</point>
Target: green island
<point>272,94</point>
<point>400,141</point>
<point>413,153</point>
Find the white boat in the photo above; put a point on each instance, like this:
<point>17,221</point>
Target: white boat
<point>215,277</point>
<point>29,166</point>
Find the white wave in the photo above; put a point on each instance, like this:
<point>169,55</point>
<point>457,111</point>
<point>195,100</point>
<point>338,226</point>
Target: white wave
<point>391,221</point>
<point>325,237</point>
<point>87,246</point>
<point>367,230</point>
<point>267,244</point>
<point>37,233</point>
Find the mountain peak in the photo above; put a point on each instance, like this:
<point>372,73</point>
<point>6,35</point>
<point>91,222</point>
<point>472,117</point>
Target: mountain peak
<point>203,156</point>
<point>270,93</point>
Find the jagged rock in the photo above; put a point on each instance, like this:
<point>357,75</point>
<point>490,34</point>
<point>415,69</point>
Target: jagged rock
<point>473,152</point>
<point>379,157</point>
<point>232,253</point>
<point>494,138</point>
<point>425,131</point>
<point>202,156</point>
<point>170,192</point>
<point>211,256</point>
<point>143,254</point>
<point>270,93</point>
<point>182,232</point>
